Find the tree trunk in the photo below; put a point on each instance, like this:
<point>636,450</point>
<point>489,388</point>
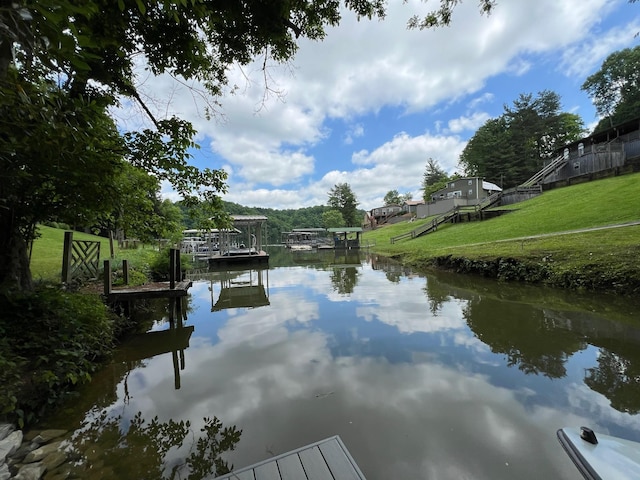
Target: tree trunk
<point>14,256</point>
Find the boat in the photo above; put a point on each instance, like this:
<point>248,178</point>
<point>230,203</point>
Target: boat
<point>300,248</point>
<point>601,457</point>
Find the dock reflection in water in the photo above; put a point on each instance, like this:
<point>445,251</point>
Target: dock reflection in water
<point>174,340</point>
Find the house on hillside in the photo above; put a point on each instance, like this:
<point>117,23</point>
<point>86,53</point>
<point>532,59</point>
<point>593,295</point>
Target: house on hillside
<point>460,192</point>
<point>382,214</point>
<point>411,206</point>
<point>471,189</point>
<point>593,156</point>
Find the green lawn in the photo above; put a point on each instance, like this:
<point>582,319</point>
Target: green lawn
<point>46,256</point>
<point>603,202</point>
<point>612,254</point>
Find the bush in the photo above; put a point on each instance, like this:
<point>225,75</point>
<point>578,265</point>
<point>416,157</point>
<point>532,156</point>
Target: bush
<point>159,265</point>
<point>52,340</point>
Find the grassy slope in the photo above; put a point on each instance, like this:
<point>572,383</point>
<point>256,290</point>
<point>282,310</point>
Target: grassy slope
<point>46,257</point>
<point>604,202</point>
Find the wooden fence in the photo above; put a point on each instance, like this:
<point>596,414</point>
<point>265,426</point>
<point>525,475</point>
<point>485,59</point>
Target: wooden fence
<point>80,259</point>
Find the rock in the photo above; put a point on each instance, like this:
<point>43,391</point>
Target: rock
<point>5,474</point>
<point>31,471</point>
<point>41,452</point>
<point>47,435</point>
<point>54,460</point>
<point>57,476</point>
<point>10,444</point>
<point>22,452</point>
<point>61,473</point>
<point>5,430</point>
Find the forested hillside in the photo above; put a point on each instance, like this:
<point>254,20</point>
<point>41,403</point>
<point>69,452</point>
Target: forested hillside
<point>279,220</point>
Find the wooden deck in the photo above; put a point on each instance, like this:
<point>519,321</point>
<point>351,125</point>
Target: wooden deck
<point>256,258</point>
<point>149,290</point>
<point>324,460</point>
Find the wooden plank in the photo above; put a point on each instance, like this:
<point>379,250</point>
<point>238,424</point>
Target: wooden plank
<point>154,290</point>
<point>241,475</point>
<point>340,465</point>
<point>267,471</point>
<point>327,459</point>
<point>291,468</point>
<point>244,474</point>
<point>314,464</point>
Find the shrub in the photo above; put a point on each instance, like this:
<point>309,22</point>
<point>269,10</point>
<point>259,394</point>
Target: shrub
<point>159,265</point>
<point>52,340</point>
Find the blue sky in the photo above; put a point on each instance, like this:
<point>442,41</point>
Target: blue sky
<point>374,101</point>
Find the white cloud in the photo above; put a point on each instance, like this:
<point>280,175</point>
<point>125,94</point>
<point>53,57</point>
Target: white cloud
<point>470,123</point>
<point>355,131</point>
<point>583,59</point>
<point>270,140</point>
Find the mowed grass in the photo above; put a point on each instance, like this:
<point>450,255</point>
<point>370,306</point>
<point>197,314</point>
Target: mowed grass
<point>600,203</point>
<point>46,255</point>
<point>542,231</point>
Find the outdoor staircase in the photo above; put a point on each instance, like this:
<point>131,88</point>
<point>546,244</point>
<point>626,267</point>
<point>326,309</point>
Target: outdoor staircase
<point>450,215</point>
<point>428,226</point>
<point>538,177</point>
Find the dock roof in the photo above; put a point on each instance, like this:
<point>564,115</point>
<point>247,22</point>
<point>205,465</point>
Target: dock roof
<point>248,218</point>
<point>345,230</point>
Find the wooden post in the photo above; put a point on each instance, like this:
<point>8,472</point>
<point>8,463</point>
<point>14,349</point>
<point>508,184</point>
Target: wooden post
<point>125,271</point>
<point>107,277</point>
<point>111,243</point>
<point>172,269</point>
<point>176,370</point>
<point>66,257</point>
<point>178,265</point>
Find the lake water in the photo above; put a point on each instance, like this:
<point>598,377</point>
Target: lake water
<point>422,376</point>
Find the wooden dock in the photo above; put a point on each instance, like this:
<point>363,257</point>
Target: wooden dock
<point>172,289</point>
<point>324,460</point>
<point>259,257</point>
<point>149,290</point>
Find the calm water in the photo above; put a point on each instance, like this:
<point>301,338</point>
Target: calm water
<point>422,376</point>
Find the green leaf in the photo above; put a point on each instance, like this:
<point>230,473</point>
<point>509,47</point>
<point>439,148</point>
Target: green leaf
<point>141,7</point>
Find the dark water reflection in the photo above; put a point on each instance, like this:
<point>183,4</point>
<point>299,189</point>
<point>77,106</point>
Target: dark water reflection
<point>423,376</point>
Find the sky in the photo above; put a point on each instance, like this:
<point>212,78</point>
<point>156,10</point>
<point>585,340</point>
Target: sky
<point>373,102</point>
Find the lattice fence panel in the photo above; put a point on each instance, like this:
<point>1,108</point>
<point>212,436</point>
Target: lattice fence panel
<point>85,259</point>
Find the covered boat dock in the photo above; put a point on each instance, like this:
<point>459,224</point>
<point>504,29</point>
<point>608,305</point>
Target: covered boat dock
<point>244,247</point>
<point>346,237</point>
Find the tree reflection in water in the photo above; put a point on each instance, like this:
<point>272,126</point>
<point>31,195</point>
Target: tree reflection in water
<point>344,280</point>
<point>151,450</point>
<point>529,339</point>
<point>617,377</point>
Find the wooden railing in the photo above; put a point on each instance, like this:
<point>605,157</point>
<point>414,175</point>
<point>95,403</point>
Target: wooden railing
<point>448,216</point>
<point>489,202</point>
<point>538,177</point>
<point>428,226</point>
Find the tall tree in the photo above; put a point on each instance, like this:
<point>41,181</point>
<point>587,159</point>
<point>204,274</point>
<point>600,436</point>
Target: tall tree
<point>513,147</point>
<point>64,63</point>
<point>342,198</point>
<point>489,153</point>
<point>392,198</point>
<point>332,219</point>
<point>433,179</point>
<point>433,173</point>
<point>138,211</point>
<point>615,88</point>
